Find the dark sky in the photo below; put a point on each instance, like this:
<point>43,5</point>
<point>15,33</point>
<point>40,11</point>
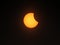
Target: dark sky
<point>15,32</point>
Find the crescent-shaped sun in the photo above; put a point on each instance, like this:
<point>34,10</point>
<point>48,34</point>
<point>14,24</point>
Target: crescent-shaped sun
<point>30,21</point>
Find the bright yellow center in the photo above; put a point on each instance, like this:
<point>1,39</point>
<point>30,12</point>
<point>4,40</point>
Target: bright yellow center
<point>29,20</point>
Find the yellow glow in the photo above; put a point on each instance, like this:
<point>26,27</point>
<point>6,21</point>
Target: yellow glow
<point>29,20</point>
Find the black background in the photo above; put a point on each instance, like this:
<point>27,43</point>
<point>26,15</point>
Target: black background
<point>15,32</point>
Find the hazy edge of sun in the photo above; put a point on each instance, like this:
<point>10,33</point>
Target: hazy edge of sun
<point>35,23</point>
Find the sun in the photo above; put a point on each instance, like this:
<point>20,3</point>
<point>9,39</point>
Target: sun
<point>29,20</point>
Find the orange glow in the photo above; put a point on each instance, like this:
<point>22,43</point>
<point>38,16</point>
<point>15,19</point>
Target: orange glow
<point>29,20</point>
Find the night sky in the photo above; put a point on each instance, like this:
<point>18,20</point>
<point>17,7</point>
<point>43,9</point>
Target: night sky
<point>15,32</point>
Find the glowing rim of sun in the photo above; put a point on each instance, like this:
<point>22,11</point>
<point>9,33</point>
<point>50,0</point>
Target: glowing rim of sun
<point>29,20</point>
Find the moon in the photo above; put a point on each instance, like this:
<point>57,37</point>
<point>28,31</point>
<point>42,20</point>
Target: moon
<point>29,20</point>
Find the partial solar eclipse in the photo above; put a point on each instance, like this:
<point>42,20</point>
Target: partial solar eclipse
<point>29,20</point>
